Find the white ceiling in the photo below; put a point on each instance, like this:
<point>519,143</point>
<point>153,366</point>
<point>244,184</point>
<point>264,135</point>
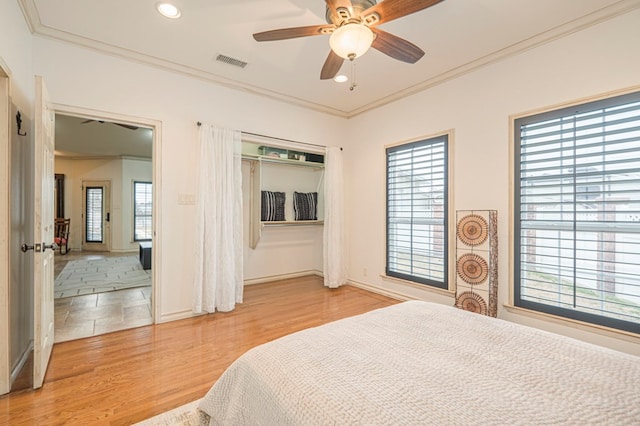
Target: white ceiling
<point>457,36</point>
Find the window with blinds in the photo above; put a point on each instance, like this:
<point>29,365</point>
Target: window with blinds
<point>93,214</point>
<point>577,212</point>
<point>142,209</point>
<point>417,211</point>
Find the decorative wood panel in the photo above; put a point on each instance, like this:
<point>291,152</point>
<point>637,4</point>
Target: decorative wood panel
<point>477,261</point>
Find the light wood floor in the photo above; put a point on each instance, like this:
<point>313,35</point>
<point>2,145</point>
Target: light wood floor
<point>127,376</point>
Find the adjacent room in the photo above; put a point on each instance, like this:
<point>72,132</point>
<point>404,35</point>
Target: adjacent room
<point>320,212</point>
<point>104,199</point>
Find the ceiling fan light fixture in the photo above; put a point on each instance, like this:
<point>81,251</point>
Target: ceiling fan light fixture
<point>168,10</point>
<point>340,78</point>
<point>351,41</point>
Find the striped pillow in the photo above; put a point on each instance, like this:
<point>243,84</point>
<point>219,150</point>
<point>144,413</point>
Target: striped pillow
<point>305,205</point>
<point>272,206</point>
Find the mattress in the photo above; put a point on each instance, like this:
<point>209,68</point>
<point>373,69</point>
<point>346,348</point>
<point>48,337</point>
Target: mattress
<point>423,363</point>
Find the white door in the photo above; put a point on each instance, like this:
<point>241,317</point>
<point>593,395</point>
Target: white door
<point>96,215</point>
<point>43,203</point>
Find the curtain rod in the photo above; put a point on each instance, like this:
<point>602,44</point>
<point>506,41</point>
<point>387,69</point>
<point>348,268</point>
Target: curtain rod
<point>273,137</point>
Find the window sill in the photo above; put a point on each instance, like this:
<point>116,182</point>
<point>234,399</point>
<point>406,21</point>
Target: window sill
<point>571,323</point>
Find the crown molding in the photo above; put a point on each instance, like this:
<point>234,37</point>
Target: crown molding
<point>619,8</point>
<point>31,15</point>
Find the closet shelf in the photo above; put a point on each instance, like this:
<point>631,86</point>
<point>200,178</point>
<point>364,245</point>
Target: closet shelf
<point>267,159</point>
<point>281,170</point>
<point>293,223</point>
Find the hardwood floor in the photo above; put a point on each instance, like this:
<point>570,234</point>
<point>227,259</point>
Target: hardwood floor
<point>127,376</point>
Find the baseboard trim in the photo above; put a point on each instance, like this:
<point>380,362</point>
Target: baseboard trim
<point>175,316</point>
<point>374,289</point>
<point>23,360</point>
<point>271,278</point>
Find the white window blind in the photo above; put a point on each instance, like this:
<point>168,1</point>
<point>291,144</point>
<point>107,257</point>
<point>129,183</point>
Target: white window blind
<point>417,211</point>
<point>142,211</point>
<point>577,236</point>
<point>93,214</point>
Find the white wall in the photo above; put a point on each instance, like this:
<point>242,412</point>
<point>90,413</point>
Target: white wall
<point>16,59</point>
<point>121,173</point>
<point>16,52</point>
<point>477,106</point>
<point>84,78</point>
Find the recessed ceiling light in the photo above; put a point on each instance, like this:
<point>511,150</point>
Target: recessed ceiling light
<point>168,10</point>
<point>340,78</point>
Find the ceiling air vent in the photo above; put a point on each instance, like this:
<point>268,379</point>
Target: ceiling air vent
<point>231,61</point>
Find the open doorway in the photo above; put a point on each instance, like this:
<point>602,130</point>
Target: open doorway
<point>101,282</point>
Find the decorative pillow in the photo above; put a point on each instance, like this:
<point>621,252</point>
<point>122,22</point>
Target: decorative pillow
<point>305,205</point>
<point>272,206</point>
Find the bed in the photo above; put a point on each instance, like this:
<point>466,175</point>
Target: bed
<point>423,363</point>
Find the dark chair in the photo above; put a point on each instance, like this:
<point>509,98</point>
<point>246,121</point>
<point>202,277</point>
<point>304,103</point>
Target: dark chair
<point>61,234</point>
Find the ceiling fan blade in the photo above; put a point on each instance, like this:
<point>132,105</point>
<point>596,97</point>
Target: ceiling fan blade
<point>389,10</point>
<point>331,66</point>
<point>345,12</point>
<point>127,126</point>
<point>295,32</point>
<point>396,47</point>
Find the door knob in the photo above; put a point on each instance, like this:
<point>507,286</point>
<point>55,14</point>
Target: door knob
<point>52,246</point>
<point>38,247</point>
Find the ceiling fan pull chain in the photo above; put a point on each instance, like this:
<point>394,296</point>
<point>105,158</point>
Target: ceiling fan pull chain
<point>353,76</point>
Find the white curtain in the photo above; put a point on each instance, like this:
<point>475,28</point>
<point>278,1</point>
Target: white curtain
<point>218,280</point>
<point>335,263</point>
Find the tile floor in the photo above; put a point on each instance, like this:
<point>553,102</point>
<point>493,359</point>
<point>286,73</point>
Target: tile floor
<point>93,314</point>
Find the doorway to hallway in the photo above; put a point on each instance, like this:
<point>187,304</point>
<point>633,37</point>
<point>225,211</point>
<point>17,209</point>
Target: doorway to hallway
<point>103,161</point>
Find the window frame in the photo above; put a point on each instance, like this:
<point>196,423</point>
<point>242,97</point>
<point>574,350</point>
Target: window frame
<point>134,210</point>
<point>527,119</point>
<point>446,138</point>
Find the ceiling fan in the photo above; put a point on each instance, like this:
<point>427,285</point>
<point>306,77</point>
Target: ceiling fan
<point>126,126</point>
<point>352,25</point>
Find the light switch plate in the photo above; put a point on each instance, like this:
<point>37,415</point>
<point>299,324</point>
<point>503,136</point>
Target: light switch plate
<point>186,199</point>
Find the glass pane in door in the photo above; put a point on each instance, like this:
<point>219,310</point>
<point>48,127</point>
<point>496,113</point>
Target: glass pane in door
<point>93,214</point>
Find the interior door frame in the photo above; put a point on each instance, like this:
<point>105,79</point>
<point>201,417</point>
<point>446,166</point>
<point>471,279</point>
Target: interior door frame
<point>156,160</point>
<point>105,244</point>
<point>5,228</point>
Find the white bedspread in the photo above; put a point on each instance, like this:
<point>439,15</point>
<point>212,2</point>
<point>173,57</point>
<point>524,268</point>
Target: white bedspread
<point>423,363</point>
